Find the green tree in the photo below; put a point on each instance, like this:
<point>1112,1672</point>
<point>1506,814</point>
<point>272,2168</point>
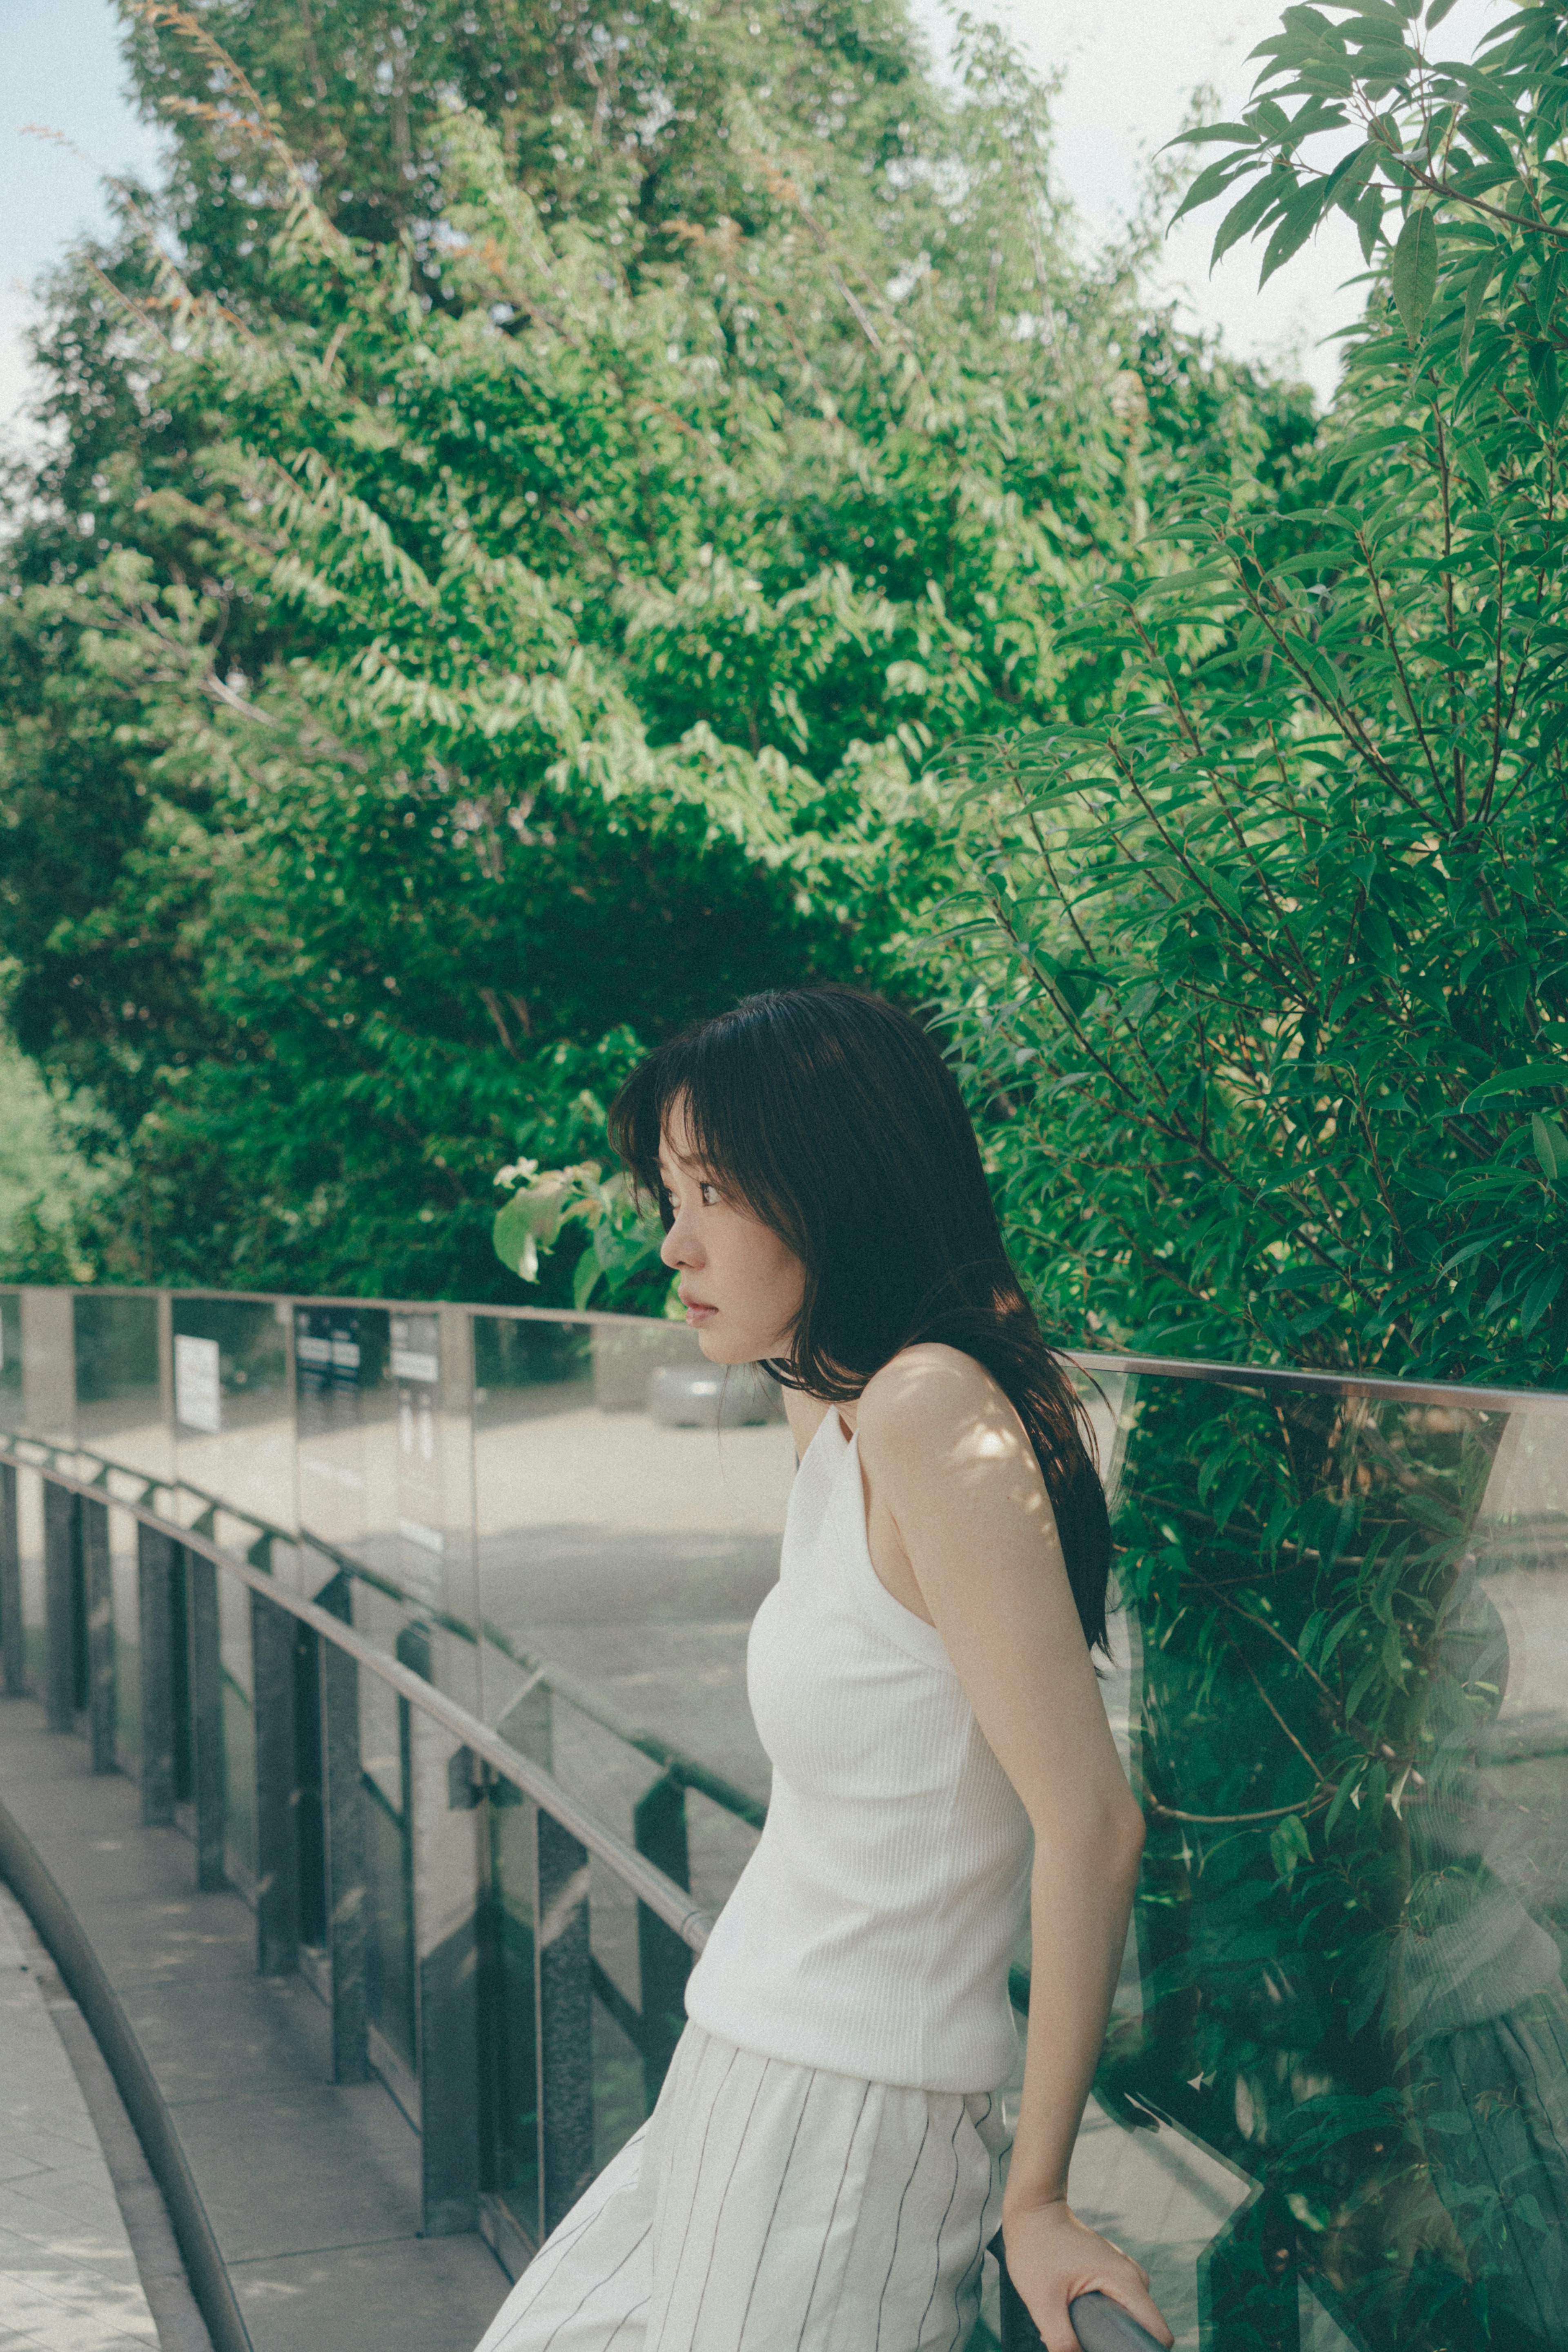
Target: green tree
<point>1266,989</point>
<point>106,869</point>
<point>510,676</point>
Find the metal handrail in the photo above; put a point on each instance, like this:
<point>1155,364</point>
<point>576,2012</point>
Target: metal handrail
<point>1278,1377</point>
<point>663,1897</point>
<point>1265,1376</point>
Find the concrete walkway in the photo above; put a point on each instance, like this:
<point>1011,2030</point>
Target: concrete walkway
<point>69,2279</point>
<point>312,2189</point>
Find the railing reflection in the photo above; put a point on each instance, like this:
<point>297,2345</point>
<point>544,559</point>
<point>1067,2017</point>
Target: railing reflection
<point>428,1623</point>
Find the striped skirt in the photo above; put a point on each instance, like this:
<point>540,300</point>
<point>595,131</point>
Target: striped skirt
<point>770,2208</point>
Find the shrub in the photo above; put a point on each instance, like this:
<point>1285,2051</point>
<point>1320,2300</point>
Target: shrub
<point>1264,981</point>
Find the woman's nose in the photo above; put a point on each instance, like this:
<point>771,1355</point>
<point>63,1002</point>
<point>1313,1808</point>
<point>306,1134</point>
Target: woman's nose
<point>677,1247</point>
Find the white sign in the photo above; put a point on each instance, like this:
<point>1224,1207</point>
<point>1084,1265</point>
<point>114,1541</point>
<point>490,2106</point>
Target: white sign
<point>198,1398</point>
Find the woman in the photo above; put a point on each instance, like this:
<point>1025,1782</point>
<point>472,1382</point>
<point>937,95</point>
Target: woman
<point>824,2166</point>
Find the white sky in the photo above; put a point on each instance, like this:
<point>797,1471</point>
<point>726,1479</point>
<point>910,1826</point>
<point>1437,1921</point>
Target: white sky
<point>1129,67</point>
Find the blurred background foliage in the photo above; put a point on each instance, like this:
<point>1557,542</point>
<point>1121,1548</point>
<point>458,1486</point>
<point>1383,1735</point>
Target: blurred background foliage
<point>554,518</point>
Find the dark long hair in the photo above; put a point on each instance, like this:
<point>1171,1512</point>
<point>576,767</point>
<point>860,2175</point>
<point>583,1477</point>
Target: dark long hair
<point>835,1119</point>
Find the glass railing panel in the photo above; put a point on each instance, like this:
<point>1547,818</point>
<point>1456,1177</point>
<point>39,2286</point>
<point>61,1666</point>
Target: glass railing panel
<point>446,1833</point>
<point>237,1689</point>
<point>122,1411</point>
<point>386,1763</point>
<point>127,1640</point>
<point>233,1405</point>
<point>343,1409</point>
<point>1351,1983</point>
<point>533,1381</point>
<point>385,1476</point>
<point>11,1359</point>
<point>30,1550</point>
<point>624,1537</point>
<point>48,1365</point>
<point>509,2024</point>
<point>629,2054</point>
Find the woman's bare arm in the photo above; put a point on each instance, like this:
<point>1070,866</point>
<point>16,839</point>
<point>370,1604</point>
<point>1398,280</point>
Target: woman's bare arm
<point>960,1518</point>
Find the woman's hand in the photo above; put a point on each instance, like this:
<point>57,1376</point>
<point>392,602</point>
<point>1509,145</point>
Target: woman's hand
<point>1052,2256</point>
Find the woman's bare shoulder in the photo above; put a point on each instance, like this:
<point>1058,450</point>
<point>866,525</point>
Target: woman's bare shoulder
<point>929,1394</point>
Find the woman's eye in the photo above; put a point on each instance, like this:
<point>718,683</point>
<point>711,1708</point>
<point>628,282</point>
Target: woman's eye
<point>710,1196</point>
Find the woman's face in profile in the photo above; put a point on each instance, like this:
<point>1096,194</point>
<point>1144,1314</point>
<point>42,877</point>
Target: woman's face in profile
<point>740,1284</point>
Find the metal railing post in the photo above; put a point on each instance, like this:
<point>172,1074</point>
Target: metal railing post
<point>207,1719</point>
<point>442,1780</point>
<point>13,1657</point>
<point>1019,2333</point>
<point>342,1820</point>
<point>664,1959</point>
<point>563,1998</point>
<point>62,1540</point>
<point>100,1633</point>
<point>277,1789</point>
<point>155,1635</point>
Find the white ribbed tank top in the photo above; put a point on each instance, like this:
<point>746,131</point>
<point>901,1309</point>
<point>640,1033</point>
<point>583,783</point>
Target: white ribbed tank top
<point>871,1932</point>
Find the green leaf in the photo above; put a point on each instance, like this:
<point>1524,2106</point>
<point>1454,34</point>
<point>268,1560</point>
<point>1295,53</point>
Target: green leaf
<point>1210,183</point>
<point>1289,1843</point>
<point>1350,175</point>
<point>1540,1295</point>
<point>530,1222</point>
<point>1368,217</point>
<point>1336,1636</point>
<point>1349,1782</point>
<point>1414,276</point>
<point>586,1278</point>
<point>1552,733</point>
<point>1269,190</point>
<point>1546,380</point>
<point>1551,1146</point>
<point>1485,135</point>
<point>1302,213</point>
<point>516,1243</point>
<point>1241,133</point>
<point>1481,277</point>
<point>1521,1081</point>
<point>1361,1685</point>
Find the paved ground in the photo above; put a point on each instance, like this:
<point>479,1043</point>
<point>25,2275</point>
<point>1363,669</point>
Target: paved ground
<point>312,2189</point>
<point>69,2279</point>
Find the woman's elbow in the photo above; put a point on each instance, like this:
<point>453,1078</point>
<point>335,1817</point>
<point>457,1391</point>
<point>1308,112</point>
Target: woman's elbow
<point>1105,1838</point>
<point>1120,1836</point>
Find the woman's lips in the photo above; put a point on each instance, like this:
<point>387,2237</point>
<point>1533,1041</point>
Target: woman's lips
<point>698,1310</point>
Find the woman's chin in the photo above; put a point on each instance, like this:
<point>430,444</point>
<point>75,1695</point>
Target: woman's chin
<point>721,1349</point>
